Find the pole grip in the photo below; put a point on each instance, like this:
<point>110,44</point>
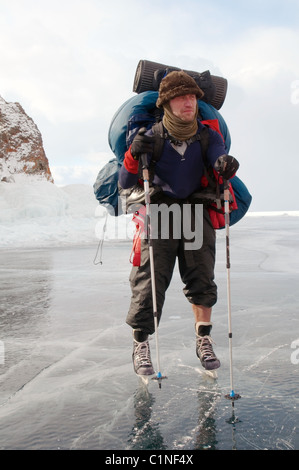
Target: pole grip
<point>225,184</point>
<point>144,162</point>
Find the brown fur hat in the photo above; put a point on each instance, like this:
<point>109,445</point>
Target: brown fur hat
<point>177,83</point>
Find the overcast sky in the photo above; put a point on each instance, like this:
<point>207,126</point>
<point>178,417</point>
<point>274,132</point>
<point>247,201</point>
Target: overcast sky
<point>71,65</point>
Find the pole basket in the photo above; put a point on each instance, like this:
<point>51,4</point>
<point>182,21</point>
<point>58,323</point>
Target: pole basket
<point>232,396</point>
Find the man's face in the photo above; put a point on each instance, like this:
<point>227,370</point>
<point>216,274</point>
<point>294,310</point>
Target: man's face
<point>184,107</point>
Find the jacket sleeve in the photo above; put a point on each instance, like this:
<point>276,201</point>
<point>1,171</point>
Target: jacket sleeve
<point>216,147</point>
<point>128,173</point>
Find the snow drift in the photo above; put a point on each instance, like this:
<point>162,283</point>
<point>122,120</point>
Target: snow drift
<point>36,213</point>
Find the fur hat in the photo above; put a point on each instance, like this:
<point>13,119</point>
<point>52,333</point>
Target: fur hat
<point>177,83</point>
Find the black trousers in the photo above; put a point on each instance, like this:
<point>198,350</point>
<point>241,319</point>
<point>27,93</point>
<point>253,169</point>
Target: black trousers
<point>196,267</point>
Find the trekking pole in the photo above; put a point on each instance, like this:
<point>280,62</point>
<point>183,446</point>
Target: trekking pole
<point>145,174</point>
<point>232,395</point>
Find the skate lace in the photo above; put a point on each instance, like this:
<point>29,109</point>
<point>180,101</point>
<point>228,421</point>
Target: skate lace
<point>204,344</point>
<point>142,353</point>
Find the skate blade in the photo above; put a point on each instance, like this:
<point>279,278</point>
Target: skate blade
<point>212,373</point>
<point>208,373</point>
<point>144,379</point>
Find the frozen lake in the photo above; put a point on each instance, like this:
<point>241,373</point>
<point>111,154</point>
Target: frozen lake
<point>66,377</point>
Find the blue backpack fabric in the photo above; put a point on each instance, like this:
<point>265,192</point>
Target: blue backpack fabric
<point>130,115</point>
<point>106,188</point>
<point>137,112</point>
<point>243,198</point>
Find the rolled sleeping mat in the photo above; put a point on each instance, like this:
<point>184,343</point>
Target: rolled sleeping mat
<point>149,74</point>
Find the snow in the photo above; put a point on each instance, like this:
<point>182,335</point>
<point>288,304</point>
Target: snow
<point>37,213</point>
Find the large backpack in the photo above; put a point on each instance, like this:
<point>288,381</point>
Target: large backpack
<point>140,111</point>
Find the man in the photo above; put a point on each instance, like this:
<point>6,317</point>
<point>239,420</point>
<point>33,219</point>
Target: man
<point>178,173</point>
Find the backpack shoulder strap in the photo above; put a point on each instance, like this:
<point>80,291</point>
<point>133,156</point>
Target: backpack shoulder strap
<point>204,142</point>
<point>161,136</point>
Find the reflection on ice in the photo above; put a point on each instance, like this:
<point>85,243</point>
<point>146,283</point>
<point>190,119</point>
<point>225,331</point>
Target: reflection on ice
<point>145,434</point>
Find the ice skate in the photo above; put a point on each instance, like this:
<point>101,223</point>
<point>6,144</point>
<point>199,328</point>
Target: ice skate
<point>204,349</point>
<point>142,359</point>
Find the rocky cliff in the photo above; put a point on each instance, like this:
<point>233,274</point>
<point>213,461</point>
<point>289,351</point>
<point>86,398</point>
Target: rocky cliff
<point>21,145</point>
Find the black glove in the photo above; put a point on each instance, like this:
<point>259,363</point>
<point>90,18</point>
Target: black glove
<point>226,165</point>
<point>142,144</point>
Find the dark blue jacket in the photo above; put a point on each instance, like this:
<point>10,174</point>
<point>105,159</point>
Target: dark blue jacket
<point>179,176</point>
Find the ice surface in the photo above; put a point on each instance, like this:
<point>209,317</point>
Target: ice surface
<point>66,378</point>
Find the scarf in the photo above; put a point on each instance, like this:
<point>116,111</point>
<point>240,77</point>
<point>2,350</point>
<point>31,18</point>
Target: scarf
<point>177,128</point>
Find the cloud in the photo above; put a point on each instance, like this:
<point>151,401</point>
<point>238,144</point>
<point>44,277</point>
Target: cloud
<point>263,54</point>
<point>81,173</point>
<point>52,60</point>
<point>65,175</point>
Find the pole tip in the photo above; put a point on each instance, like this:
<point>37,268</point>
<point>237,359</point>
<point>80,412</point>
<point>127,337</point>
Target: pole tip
<point>159,377</point>
<point>232,396</point>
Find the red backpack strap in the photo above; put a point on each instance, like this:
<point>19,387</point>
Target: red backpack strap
<point>138,219</point>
